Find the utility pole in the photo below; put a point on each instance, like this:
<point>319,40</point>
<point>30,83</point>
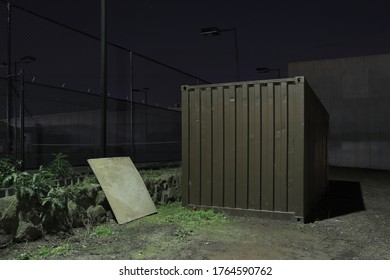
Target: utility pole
<point>103,79</point>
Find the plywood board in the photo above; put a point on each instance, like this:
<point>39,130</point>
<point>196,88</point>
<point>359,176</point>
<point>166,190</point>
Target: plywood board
<point>124,188</point>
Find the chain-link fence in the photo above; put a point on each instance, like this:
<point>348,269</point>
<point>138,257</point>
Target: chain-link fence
<point>52,72</point>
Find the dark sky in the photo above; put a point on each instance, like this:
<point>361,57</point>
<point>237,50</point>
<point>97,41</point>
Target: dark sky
<point>270,33</point>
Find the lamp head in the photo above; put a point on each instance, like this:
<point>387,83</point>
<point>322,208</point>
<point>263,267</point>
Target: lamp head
<point>262,70</point>
<point>210,31</point>
<point>27,59</point>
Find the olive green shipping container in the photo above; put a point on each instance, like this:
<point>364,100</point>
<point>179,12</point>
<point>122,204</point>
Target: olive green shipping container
<point>257,146</point>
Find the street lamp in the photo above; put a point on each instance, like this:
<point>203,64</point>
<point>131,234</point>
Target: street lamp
<point>267,70</point>
<point>215,31</point>
<point>145,91</point>
<point>22,60</point>
<point>26,59</point>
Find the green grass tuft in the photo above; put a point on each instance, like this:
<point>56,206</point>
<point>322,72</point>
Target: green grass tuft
<point>45,252</point>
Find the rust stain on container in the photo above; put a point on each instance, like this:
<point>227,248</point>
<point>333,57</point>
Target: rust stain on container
<point>259,146</point>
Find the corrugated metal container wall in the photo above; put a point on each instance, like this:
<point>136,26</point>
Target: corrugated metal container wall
<point>258,146</point>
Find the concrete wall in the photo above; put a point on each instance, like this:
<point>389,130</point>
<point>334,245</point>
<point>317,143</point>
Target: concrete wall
<point>356,93</point>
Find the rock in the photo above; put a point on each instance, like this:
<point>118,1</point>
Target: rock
<point>92,190</point>
<point>29,216</point>
<point>88,195</point>
<point>27,231</point>
<point>8,214</point>
<point>5,239</point>
<point>164,188</point>
<point>77,215</point>
<point>102,200</point>
<point>176,187</point>
<point>97,214</point>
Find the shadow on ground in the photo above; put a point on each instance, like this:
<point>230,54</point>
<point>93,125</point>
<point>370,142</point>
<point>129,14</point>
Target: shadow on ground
<point>342,197</point>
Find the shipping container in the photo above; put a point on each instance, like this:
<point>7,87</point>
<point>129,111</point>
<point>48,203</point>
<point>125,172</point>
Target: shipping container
<point>256,147</point>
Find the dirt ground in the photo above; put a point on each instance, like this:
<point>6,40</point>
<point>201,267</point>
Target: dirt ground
<point>353,222</point>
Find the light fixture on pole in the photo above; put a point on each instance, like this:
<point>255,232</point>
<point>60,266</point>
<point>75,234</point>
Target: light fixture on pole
<point>26,59</point>
<point>267,70</point>
<point>22,60</point>
<point>145,91</point>
<point>215,31</point>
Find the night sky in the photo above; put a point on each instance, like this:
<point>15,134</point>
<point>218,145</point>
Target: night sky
<point>270,33</point>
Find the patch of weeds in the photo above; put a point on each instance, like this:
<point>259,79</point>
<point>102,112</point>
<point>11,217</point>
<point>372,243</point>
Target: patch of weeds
<point>155,173</point>
<point>45,252</point>
<point>183,233</point>
<point>24,256</point>
<point>299,226</point>
<point>90,179</point>
<point>187,220</point>
<point>60,250</point>
<point>103,231</point>
<point>190,218</point>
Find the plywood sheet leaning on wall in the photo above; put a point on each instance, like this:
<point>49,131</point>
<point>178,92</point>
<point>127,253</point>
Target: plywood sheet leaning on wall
<point>124,188</point>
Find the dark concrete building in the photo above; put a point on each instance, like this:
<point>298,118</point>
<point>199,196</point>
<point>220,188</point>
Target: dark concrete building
<point>356,93</point>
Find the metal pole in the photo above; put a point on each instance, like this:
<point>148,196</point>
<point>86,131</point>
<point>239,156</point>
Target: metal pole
<point>9,129</point>
<point>146,117</point>
<point>131,102</point>
<point>22,156</point>
<point>237,58</point>
<point>103,80</point>
<point>13,98</point>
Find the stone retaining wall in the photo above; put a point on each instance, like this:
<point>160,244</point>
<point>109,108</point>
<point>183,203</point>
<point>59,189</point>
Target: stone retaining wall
<point>90,208</point>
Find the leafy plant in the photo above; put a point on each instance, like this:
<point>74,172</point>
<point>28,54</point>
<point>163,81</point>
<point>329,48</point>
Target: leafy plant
<point>54,203</point>
<point>38,191</point>
<point>60,167</point>
<point>9,169</point>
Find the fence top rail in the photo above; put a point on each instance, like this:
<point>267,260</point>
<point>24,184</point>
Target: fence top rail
<point>92,94</point>
<point>109,43</point>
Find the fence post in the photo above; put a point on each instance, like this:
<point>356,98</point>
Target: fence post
<point>103,79</point>
<point>22,156</point>
<point>131,64</point>
<point>9,129</point>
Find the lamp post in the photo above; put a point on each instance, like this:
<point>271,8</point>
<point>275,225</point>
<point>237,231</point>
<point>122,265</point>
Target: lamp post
<point>267,70</point>
<point>215,31</point>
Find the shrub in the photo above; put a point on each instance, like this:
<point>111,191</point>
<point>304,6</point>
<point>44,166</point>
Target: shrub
<point>9,169</point>
<point>39,191</point>
<point>60,167</point>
